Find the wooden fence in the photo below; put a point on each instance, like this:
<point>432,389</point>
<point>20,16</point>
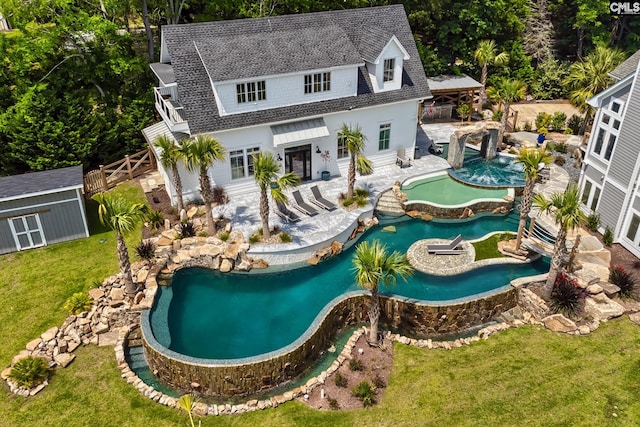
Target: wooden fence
<point>109,176</point>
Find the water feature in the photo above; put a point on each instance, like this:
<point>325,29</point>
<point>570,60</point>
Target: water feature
<point>501,171</point>
<point>205,314</point>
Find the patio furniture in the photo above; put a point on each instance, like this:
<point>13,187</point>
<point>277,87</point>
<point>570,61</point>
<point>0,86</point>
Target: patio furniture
<point>451,248</point>
<point>319,200</point>
<point>303,206</point>
<point>283,212</point>
<point>402,160</point>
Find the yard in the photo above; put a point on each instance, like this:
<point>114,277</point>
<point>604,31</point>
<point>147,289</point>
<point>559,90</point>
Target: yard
<point>525,376</point>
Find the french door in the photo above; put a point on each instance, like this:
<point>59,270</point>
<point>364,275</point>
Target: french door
<point>298,160</point>
<point>27,231</point>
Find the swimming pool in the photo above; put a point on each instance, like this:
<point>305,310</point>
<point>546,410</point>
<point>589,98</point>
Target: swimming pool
<point>208,315</point>
<point>441,190</point>
<point>500,172</point>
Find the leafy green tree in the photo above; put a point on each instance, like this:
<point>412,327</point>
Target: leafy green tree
<point>266,169</point>
<point>531,159</point>
<point>355,143</point>
<point>567,213</point>
<point>372,265</point>
<point>201,153</point>
<point>169,158</point>
<point>121,216</point>
<point>506,91</point>
<point>547,81</point>
<point>487,54</point>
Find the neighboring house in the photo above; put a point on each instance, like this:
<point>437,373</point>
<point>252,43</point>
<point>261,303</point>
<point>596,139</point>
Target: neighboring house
<point>286,84</point>
<point>611,170</point>
<point>41,208</point>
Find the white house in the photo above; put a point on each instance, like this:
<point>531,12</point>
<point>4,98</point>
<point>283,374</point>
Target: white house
<point>286,84</point>
<point>611,170</point>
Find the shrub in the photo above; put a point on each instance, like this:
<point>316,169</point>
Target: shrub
<point>285,237</point>
<point>146,250</point>
<point>355,365</point>
<point>565,295</point>
<point>497,115</point>
<point>333,404</point>
<point>543,120</point>
<point>559,160</point>
<point>30,371</point>
<point>593,221</point>
<point>361,201</point>
<point>463,111</point>
<point>378,382</point>
<point>186,229</point>
<point>622,279</point>
<point>527,126</point>
<point>347,202</point>
<point>607,237</point>
<point>254,238</point>
<point>560,147</point>
<point>558,121</point>
<point>78,302</point>
<point>365,393</point>
<point>340,380</point>
<point>362,192</point>
<point>218,195</point>
<point>575,123</point>
<point>224,236</point>
<point>547,80</point>
<point>155,219</point>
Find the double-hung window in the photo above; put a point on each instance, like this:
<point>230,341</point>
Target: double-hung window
<point>251,91</point>
<point>242,162</point>
<point>317,82</point>
<point>384,136</point>
<point>389,65</point>
<point>343,152</point>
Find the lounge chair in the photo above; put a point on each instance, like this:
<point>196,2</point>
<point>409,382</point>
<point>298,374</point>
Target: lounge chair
<point>402,160</point>
<point>283,212</point>
<point>451,248</point>
<point>321,201</point>
<point>303,206</point>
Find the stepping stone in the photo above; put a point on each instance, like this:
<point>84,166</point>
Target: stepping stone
<point>389,229</point>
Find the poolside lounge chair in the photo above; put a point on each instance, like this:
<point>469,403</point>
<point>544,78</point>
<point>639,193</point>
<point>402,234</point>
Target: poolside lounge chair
<point>283,212</point>
<point>450,248</point>
<point>321,201</point>
<point>402,160</point>
<point>303,206</point>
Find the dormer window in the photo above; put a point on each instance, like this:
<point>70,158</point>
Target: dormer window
<point>389,66</point>
<point>251,91</point>
<point>318,82</point>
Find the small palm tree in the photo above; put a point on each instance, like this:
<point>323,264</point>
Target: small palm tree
<point>121,216</point>
<point>506,91</point>
<point>355,142</point>
<point>200,154</point>
<point>568,215</point>
<point>187,403</point>
<point>530,160</point>
<point>169,158</point>
<point>486,54</point>
<point>266,169</point>
<point>374,265</point>
<point>590,76</point>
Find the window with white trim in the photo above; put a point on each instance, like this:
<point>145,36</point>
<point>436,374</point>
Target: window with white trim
<point>632,231</point>
<point>389,67</point>
<point>251,91</point>
<point>27,231</point>
<point>616,107</point>
<point>590,195</point>
<point>343,152</point>
<point>318,82</point>
<point>241,162</point>
<point>384,136</point>
<point>607,134</point>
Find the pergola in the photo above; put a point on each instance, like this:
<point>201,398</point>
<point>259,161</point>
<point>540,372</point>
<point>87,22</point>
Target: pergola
<point>449,92</point>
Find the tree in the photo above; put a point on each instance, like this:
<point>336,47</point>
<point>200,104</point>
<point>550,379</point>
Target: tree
<point>374,265</point>
<point>266,169</point>
<point>506,91</point>
<point>538,38</point>
<point>200,154</point>
<point>486,54</point>
<point>568,215</point>
<point>591,76</point>
<point>169,158</point>
<point>121,216</point>
<point>530,160</point>
<point>355,142</point>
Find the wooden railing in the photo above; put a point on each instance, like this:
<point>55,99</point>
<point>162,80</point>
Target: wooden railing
<point>165,98</point>
<point>109,176</point>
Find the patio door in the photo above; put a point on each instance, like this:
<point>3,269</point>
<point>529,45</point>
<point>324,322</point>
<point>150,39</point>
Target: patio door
<point>27,231</point>
<point>298,160</point>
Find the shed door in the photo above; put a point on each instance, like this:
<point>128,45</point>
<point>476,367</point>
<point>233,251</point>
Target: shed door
<point>27,231</point>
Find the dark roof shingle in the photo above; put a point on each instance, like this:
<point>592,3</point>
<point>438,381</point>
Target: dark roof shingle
<point>627,67</point>
<point>18,186</point>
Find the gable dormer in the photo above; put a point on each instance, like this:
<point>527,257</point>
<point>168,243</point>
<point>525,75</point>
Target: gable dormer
<point>386,69</point>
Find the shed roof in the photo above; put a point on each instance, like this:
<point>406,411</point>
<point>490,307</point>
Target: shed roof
<point>627,67</point>
<point>288,43</point>
<point>446,83</point>
<point>25,185</point>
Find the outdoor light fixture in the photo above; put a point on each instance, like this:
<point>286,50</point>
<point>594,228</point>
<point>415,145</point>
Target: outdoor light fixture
<point>278,157</point>
<point>318,150</point>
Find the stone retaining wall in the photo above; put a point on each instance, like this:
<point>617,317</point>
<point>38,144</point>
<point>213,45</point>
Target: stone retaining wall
<point>458,211</point>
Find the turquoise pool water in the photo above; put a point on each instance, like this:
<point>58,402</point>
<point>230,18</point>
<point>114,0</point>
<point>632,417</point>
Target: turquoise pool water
<point>445,191</point>
<point>210,315</point>
<point>500,171</point>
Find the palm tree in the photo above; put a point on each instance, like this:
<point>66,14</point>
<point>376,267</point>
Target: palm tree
<point>486,54</point>
<point>200,154</point>
<point>187,403</point>
<point>372,265</point>
<point>355,141</point>
<point>266,169</point>
<point>506,91</point>
<point>590,76</point>
<point>530,160</point>
<point>121,216</point>
<point>169,158</point>
<point>565,208</point>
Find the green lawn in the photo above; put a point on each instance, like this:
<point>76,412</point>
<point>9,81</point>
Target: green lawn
<point>488,248</point>
<point>525,376</point>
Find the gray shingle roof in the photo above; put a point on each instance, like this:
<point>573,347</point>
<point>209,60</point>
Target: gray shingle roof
<point>627,67</point>
<point>315,40</point>
<point>18,186</point>
<point>444,83</point>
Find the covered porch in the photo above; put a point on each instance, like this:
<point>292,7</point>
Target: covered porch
<point>449,92</point>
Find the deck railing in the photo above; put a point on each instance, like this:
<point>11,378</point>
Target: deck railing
<point>167,102</point>
<point>108,176</point>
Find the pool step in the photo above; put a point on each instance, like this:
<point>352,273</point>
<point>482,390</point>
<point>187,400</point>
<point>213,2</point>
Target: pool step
<point>389,204</point>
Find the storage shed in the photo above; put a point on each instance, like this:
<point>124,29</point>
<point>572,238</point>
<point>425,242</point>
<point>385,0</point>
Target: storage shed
<point>41,208</point>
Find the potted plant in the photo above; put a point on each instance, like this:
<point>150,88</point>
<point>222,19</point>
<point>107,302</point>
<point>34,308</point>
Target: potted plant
<point>326,157</point>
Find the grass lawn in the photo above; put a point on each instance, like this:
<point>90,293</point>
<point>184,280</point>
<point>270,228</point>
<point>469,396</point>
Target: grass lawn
<point>525,376</point>
<point>488,248</point>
